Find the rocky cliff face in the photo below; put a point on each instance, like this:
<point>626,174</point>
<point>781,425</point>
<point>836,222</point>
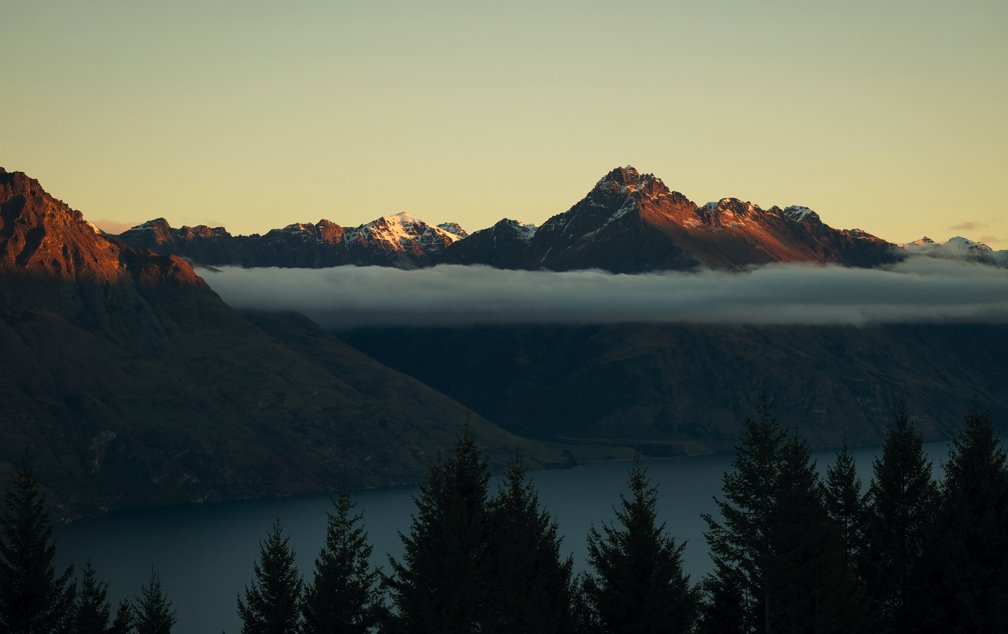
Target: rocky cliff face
<point>137,386</point>
<point>42,237</point>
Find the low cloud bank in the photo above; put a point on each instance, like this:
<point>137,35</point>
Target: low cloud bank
<point>917,290</point>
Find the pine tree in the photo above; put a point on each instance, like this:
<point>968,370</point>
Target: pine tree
<point>637,582</point>
<point>91,610</point>
<point>272,603</point>
<point>583,618</point>
<point>344,596</point>
<point>123,621</point>
<point>845,502</point>
<point>966,557</point>
<point>440,585</point>
<point>809,585</point>
<point>32,597</point>
<point>530,588</point>
<point>900,508</point>
<point>723,609</point>
<point>154,613</point>
<point>738,542</point>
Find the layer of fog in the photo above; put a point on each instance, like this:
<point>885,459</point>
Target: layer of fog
<point>918,290</point>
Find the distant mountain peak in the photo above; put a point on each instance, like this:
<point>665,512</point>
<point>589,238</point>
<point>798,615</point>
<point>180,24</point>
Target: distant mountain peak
<point>627,180</point>
<point>403,217</point>
<point>622,176</point>
<point>524,231</point>
<point>154,223</point>
<point>737,206</point>
<point>957,248</point>
<point>798,213</point>
<point>453,228</point>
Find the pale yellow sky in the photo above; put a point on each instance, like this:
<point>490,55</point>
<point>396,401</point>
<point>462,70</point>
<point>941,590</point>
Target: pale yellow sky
<point>889,116</point>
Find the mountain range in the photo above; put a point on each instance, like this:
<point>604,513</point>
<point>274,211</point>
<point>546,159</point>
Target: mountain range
<point>399,240</point>
<point>135,385</point>
<point>629,222</point>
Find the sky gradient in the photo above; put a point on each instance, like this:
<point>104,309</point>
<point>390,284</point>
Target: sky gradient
<point>254,115</point>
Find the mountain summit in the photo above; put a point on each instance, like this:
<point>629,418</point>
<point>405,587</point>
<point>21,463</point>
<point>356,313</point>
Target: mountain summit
<point>627,180</point>
<point>632,222</point>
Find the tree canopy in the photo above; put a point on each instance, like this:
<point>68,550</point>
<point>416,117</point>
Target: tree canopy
<point>637,583</point>
<point>272,602</point>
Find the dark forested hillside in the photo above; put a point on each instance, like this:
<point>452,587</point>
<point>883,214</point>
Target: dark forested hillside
<point>671,388</point>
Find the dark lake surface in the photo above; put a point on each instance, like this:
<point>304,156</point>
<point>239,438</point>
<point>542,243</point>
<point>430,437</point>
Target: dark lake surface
<point>204,554</point>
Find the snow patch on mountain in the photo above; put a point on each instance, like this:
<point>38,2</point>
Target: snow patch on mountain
<point>957,248</point>
<point>454,229</point>
<point>400,233</point>
<point>799,213</point>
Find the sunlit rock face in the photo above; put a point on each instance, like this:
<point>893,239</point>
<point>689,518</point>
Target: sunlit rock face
<point>43,237</point>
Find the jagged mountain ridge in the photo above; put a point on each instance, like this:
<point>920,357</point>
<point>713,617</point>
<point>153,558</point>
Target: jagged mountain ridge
<point>629,222</point>
<point>137,386</point>
<point>399,240</point>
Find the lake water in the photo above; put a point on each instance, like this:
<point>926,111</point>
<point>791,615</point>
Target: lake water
<point>204,554</point>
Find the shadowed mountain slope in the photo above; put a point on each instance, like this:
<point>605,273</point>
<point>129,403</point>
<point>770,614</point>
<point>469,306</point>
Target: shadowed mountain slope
<point>136,385</point>
<point>680,387</point>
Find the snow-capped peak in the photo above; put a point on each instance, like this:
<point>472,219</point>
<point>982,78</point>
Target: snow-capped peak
<point>957,248</point>
<point>960,243</point>
<point>799,212</point>
<point>404,217</point>
<point>399,233</point>
<point>955,245</point>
